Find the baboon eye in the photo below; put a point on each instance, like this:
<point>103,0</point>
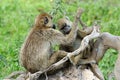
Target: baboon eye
<point>63,26</point>
<point>45,20</point>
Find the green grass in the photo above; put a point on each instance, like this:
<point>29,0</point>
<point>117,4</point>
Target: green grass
<point>17,17</point>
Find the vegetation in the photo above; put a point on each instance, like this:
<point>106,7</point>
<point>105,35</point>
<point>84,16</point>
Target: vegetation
<point>17,17</point>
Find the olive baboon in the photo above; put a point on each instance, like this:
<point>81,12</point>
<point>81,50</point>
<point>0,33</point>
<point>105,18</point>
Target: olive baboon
<point>36,53</point>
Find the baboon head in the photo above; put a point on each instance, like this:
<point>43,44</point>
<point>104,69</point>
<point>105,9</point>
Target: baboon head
<point>64,25</point>
<point>44,20</point>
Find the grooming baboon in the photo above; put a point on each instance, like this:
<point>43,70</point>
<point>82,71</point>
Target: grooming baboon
<point>64,25</point>
<point>36,53</point>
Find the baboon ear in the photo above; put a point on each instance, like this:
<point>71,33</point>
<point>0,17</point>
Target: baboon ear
<point>42,21</point>
<point>63,26</point>
<point>46,20</point>
<point>66,17</point>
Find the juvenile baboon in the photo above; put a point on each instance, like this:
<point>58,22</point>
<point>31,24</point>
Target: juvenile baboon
<point>36,53</point>
<point>64,25</point>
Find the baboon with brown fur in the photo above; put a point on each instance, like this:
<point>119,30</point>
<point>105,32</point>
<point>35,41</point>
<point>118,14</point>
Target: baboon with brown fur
<point>64,25</point>
<point>36,53</point>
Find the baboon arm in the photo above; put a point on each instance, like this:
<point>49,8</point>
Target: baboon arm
<point>88,30</point>
<point>84,32</point>
<point>85,29</point>
<point>77,60</point>
<point>81,33</point>
<point>74,60</point>
<point>82,24</point>
<point>59,38</point>
<point>57,55</point>
<point>64,40</point>
<point>73,32</point>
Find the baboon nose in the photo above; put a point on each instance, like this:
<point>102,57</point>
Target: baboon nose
<point>54,27</point>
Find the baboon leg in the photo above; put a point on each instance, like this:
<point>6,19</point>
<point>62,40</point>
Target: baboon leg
<point>57,55</point>
<point>51,67</point>
<point>75,59</point>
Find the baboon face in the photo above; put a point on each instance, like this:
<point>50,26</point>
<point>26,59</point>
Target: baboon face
<point>64,25</point>
<point>44,20</point>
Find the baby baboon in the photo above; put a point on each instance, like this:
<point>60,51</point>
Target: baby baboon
<point>36,53</point>
<point>64,25</point>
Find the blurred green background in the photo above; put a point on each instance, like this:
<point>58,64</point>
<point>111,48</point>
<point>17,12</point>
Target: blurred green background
<point>17,18</point>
